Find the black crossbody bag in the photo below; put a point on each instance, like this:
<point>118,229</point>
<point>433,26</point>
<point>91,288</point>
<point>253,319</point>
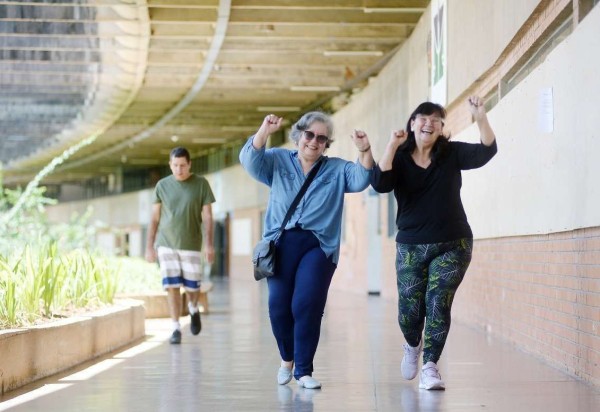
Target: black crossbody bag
<point>263,257</point>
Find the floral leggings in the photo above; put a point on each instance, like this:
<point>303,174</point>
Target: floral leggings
<point>428,276</point>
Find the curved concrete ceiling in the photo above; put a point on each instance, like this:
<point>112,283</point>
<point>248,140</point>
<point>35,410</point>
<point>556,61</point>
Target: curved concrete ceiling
<point>145,75</point>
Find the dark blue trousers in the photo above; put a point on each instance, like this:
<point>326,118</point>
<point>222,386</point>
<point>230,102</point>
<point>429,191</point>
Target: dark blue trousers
<point>297,297</point>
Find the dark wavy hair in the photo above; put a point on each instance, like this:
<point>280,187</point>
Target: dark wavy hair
<point>441,145</point>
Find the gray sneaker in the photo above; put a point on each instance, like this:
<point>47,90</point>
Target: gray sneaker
<point>284,375</point>
<point>410,361</point>
<point>175,337</point>
<point>308,382</point>
<point>430,378</point>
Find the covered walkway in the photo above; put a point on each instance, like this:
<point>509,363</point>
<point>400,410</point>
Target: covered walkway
<point>231,366</point>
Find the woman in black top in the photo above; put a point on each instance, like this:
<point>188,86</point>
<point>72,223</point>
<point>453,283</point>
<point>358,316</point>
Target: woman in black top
<point>434,239</point>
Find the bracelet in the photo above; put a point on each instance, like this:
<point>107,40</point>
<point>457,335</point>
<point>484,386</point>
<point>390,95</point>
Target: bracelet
<point>366,150</point>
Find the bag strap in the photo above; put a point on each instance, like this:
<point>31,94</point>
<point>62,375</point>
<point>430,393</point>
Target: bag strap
<point>298,197</point>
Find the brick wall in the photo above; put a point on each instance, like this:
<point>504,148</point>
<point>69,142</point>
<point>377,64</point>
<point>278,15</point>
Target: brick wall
<point>541,293</point>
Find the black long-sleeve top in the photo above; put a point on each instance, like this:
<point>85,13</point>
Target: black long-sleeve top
<point>430,209</point>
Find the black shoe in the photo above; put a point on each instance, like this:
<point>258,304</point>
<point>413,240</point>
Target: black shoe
<point>196,324</point>
<point>175,337</point>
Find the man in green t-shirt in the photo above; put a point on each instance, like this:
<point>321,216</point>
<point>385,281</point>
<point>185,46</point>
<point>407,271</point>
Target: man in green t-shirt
<point>182,204</point>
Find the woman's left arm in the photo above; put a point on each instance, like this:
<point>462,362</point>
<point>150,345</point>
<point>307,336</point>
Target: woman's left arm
<point>477,110</point>
<point>365,155</point>
<point>471,155</point>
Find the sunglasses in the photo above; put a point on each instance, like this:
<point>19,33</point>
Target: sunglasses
<point>321,138</point>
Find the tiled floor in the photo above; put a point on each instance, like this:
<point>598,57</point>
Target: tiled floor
<point>232,364</point>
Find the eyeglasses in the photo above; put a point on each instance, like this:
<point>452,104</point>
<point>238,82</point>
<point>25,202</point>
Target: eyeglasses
<point>321,138</point>
<point>433,119</point>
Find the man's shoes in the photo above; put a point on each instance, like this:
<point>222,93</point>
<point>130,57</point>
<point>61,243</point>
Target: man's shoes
<point>284,375</point>
<point>175,338</point>
<point>410,361</point>
<point>196,324</point>
<point>308,382</point>
<point>430,377</point>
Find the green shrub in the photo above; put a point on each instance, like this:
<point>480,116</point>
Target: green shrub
<point>51,270</point>
<point>42,283</point>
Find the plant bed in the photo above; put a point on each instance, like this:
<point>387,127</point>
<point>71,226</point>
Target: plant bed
<point>35,352</point>
<point>157,306</point>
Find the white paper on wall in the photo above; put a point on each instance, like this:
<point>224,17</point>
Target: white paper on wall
<point>546,111</point>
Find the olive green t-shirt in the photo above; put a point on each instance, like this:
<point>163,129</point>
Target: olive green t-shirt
<point>180,225</point>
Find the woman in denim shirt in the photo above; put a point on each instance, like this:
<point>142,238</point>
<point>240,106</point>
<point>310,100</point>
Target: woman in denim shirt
<point>308,249</point>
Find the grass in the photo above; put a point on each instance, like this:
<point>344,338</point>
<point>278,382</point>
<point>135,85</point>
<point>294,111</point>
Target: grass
<point>39,280</point>
<point>39,285</point>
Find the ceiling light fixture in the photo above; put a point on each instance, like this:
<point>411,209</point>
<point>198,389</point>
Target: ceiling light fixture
<point>278,109</point>
<point>315,88</point>
<point>208,140</point>
<point>238,128</point>
<point>393,9</point>
<point>346,53</point>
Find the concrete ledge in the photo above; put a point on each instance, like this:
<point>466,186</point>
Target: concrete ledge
<point>156,304</point>
<point>34,353</point>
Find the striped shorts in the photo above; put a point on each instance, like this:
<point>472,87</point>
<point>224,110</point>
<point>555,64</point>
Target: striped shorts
<point>180,268</point>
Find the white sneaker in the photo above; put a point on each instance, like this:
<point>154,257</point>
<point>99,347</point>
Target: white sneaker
<point>410,361</point>
<point>430,377</point>
<point>284,375</point>
<point>308,382</point>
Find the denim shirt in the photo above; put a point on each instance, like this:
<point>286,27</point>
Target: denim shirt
<point>320,209</point>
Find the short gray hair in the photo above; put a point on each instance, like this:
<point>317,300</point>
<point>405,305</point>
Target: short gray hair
<point>307,120</point>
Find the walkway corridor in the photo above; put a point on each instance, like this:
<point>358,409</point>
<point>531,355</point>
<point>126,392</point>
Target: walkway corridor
<point>231,366</point>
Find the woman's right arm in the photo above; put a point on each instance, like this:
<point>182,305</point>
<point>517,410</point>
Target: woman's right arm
<point>397,138</point>
<point>383,178</point>
<point>257,161</point>
<point>270,125</point>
